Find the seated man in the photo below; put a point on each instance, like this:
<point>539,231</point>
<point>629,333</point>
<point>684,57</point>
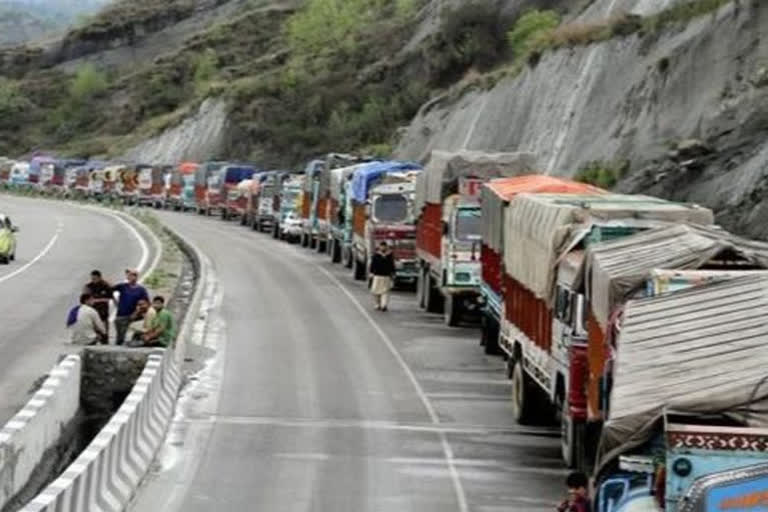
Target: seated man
<point>162,330</point>
<point>141,320</point>
<point>87,329</point>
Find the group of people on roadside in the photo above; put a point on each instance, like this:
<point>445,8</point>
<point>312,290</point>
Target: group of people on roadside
<point>138,322</point>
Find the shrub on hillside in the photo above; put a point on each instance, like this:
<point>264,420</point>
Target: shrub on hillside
<point>603,174</point>
<point>88,83</point>
<point>530,29</point>
<point>470,36</point>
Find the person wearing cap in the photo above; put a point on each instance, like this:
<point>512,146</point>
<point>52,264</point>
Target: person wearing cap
<point>131,292</point>
<point>101,291</point>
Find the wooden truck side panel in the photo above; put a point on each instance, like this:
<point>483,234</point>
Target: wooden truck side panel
<point>429,230</point>
<point>358,219</point>
<point>491,268</point>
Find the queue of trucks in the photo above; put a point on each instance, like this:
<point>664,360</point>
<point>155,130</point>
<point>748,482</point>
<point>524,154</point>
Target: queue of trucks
<point>634,323</point>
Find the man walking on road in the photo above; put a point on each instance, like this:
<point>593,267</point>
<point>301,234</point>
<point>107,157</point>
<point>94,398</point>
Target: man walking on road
<point>383,270</point>
<point>101,291</point>
<point>131,292</point>
<point>88,329</point>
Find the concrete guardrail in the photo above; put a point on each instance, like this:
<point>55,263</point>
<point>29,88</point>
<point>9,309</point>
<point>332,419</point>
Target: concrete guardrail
<point>105,475</point>
<point>28,437</point>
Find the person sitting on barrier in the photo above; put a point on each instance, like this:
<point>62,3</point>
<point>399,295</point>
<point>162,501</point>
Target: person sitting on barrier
<point>141,320</point>
<point>85,324</point>
<point>162,330</point>
<point>131,292</point>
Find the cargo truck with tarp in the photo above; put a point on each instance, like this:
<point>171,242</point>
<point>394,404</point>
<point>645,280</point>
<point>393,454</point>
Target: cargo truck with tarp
<point>264,216</point>
<point>317,198</point>
<point>494,197</point>
<point>151,185</point>
<point>288,208</point>
<point>652,262</point>
<point>382,197</point>
<point>544,328</point>
<point>178,194</point>
<point>233,197</point>
<point>448,229</point>
<point>687,426</point>
<point>340,214</point>
<point>203,176</point>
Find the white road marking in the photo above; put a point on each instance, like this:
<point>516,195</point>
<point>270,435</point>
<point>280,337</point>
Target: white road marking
<point>40,255</point>
<point>461,496</point>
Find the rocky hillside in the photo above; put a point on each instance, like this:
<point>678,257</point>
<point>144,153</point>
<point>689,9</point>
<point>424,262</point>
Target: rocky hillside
<point>29,20</point>
<point>661,96</point>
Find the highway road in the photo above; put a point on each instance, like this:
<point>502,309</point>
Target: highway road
<point>58,246</point>
<point>311,401</point>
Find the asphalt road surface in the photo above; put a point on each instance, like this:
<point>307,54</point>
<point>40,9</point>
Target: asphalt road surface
<point>58,246</point>
<point>311,401</point>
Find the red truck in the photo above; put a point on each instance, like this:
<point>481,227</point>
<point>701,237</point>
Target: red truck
<point>204,174</point>
<point>495,196</point>
<point>543,330</point>
<point>448,230</point>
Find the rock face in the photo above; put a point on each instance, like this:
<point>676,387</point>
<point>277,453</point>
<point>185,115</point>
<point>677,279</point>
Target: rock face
<point>634,99</point>
<point>196,138</point>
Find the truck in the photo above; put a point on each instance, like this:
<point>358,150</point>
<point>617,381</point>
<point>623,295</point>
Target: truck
<point>203,176</point>
<point>287,208</point>
<point>340,215</point>
<point>151,185</point>
<point>495,196</point>
<point>234,199</point>
<point>238,199</point>
<point>264,216</point>
<point>175,192</point>
<point>448,232</point>
<point>649,263</point>
<point>316,195</point>
<point>544,328</point>
<point>382,197</point>
<point>686,428</point>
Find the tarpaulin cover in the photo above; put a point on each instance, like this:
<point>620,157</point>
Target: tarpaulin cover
<point>698,351</point>
<point>538,228</point>
<point>364,176</point>
<point>236,174</point>
<point>443,170</point>
<point>339,179</point>
<point>619,267</point>
<point>496,193</point>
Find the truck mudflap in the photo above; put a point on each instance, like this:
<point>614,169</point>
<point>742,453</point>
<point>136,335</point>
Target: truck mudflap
<point>577,381</point>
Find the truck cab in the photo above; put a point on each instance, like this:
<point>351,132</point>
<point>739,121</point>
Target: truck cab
<point>392,220</point>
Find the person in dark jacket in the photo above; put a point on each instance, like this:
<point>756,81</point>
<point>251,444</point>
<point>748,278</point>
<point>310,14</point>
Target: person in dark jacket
<point>578,494</point>
<point>383,271</point>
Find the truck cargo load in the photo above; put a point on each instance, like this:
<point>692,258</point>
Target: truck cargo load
<point>690,382</point>
<point>494,197</point>
<point>544,329</point>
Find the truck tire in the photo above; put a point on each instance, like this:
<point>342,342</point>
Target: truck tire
<point>489,338</point>
<point>452,311</point>
<point>304,240</point>
<point>359,270</point>
<point>243,220</point>
<point>335,252</point>
<point>348,258</point>
<point>276,232</point>
<point>421,284</point>
<point>523,395</point>
<point>433,302</point>
<point>572,438</point>
<point>312,242</point>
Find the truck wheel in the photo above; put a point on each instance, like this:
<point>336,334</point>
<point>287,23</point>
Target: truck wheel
<point>452,311</point>
<point>347,256</point>
<point>421,296</point>
<point>433,302</point>
<point>304,240</point>
<point>312,242</point>
<point>571,438</point>
<point>523,395</point>
<point>336,252</point>
<point>490,335</point>
<point>322,245</point>
<point>359,270</point>
<point>276,232</point>
<point>243,220</point>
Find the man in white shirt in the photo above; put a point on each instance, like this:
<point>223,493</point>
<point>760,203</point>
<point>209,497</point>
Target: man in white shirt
<point>88,329</point>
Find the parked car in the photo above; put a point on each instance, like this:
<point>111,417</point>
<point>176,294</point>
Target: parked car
<point>7,240</point>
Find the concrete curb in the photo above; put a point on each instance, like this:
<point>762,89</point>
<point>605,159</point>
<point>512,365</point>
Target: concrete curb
<point>105,475</point>
<point>33,431</point>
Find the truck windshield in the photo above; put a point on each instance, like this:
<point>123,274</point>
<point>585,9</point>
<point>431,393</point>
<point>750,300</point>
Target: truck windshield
<point>390,208</point>
<point>468,224</point>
